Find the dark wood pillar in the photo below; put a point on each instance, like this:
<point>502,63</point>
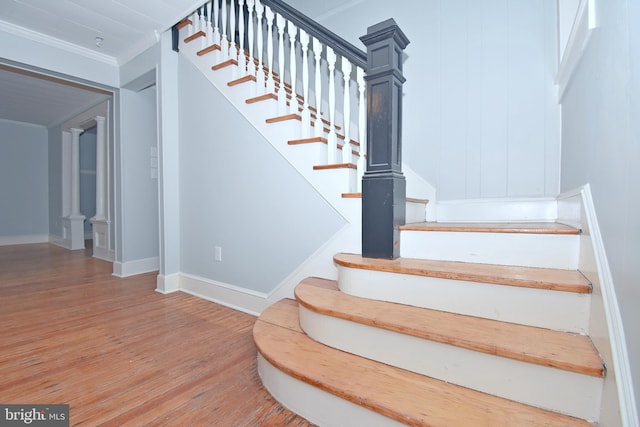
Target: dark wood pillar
<point>383,184</point>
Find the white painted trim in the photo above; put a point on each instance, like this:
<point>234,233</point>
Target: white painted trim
<point>621,366</point>
<point>166,284</point>
<point>419,188</point>
<point>100,253</point>
<point>139,266</point>
<point>320,263</point>
<point>241,299</point>
<point>317,406</point>
<point>539,209</point>
<point>583,26</point>
<point>23,239</point>
<point>56,43</point>
<point>59,241</point>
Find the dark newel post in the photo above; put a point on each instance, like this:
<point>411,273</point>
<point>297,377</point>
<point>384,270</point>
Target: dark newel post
<point>175,38</point>
<point>383,184</point>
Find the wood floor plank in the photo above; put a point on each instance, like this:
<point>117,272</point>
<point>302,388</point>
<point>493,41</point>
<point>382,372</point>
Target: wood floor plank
<point>120,353</point>
<point>528,277</point>
<point>402,395</point>
<point>562,350</point>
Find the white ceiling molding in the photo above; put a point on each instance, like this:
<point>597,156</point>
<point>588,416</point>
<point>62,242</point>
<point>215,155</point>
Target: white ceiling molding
<point>56,43</point>
<point>585,22</point>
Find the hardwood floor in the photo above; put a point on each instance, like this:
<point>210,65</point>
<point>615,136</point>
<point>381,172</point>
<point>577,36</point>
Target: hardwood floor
<point>120,353</point>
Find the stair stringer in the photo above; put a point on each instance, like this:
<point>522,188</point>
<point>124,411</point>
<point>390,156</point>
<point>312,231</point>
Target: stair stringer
<point>618,404</point>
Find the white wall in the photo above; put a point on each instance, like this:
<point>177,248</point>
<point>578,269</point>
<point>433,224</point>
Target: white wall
<point>237,192</point>
<point>138,225</point>
<point>136,191</point>
<point>601,146</point>
<point>480,117</point>
<point>24,202</point>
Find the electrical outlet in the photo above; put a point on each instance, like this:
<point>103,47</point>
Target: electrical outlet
<point>218,253</point>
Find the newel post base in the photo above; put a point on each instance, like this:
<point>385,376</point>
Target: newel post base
<point>383,184</point>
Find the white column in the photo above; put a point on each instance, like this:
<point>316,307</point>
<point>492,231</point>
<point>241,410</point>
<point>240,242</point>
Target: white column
<point>73,222</point>
<point>101,157</point>
<point>66,173</point>
<point>75,172</point>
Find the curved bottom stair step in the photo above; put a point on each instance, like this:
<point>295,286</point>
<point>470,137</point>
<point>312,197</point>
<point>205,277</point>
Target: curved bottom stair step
<point>549,369</point>
<point>400,395</point>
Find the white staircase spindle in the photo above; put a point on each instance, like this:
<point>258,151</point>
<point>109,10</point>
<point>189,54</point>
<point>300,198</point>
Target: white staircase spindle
<point>293,72</point>
<point>209,26</point>
<point>332,138</point>
<point>251,66</point>
<point>203,27</point>
<point>233,48</point>
<point>346,111</point>
<point>224,40</point>
<point>362,126</point>
<point>317,52</point>
<point>215,16</point>
<point>242,57</point>
<point>194,22</point>
<point>270,86</point>
<point>260,47</point>
<point>306,113</point>
<point>282,94</point>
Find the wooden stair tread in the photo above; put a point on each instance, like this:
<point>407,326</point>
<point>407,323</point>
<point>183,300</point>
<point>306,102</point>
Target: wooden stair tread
<point>562,350</point>
<point>527,277</point>
<point>405,396</point>
<point>335,166</point>
<point>515,227</point>
<point>358,195</point>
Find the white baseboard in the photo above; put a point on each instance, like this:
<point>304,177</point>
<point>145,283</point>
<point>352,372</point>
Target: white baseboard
<point>577,207</point>
<point>166,284</point>
<point>139,266</point>
<point>24,239</point>
<point>535,209</point>
<point>104,255</point>
<point>231,296</point>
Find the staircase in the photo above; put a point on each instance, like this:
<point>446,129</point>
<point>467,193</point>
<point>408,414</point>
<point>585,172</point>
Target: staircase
<point>440,340</point>
<point>478,324</point>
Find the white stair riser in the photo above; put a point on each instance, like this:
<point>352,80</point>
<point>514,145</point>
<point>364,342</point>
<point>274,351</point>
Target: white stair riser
<point>519,249</point>
<point>563,311</point>
<point>416,212</point>
<point>542,386</point>
<point>498,210</point>
<point>316,405</point>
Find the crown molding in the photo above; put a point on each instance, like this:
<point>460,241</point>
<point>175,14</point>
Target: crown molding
<point>144,44</point>
<point>56,43</point>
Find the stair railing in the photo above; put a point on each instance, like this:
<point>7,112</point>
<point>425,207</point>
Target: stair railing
<point>331,86</point>
<point>314,73</point>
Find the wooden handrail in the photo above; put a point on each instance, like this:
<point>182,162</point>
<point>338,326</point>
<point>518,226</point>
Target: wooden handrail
<point>338,44</point>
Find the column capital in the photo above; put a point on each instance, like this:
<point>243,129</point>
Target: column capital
<point>100,119</point>
<point>76,131</point>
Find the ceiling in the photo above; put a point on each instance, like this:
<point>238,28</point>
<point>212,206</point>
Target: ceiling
<point>126,28</point>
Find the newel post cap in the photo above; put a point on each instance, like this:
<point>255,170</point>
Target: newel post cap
<point>385,30</point>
